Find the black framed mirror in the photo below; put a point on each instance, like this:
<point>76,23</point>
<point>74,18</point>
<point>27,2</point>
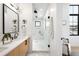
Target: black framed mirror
<point>10,20</point>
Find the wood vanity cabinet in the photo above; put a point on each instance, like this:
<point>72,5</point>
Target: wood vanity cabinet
<point>21,50</point>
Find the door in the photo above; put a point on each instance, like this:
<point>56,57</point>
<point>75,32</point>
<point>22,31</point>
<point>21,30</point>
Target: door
<point>49,31</point>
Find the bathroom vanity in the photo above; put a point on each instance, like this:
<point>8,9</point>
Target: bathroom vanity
<point>19,44</point>
<point>18,47</point>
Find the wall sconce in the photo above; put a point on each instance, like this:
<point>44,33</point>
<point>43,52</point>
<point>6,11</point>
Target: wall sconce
<point>24,21</point>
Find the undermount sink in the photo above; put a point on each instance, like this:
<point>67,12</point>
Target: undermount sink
<point>3,48</point>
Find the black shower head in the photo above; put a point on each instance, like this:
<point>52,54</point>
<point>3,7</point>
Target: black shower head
<point>35,11</point>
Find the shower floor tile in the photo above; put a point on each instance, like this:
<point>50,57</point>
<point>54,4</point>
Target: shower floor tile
<point>38,53</point>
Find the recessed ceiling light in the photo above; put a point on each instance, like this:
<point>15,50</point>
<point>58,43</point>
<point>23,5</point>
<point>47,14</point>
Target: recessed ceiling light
<point>41,9</point>
<point>47,23</point>
<point>40,15</point>
<point>52,9</point>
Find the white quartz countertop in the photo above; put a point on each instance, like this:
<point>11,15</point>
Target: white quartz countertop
<point>12,45</point>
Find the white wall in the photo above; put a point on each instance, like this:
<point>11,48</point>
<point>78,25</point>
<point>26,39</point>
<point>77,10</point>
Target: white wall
<point>65,21</point>
<point>26,14</point>
<point>74,41</point>
<point>1,19</point>
<point>13,8</point>
<point>1,23</point>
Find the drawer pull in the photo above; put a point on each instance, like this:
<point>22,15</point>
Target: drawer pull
<point>25,42</point>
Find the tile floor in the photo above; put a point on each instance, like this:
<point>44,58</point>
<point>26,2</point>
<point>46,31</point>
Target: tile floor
<point>39,53</point>
<point>44,53</point>
<point>74,53</point>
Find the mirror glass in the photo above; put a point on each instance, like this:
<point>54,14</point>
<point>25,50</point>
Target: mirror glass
<point>10,20</point>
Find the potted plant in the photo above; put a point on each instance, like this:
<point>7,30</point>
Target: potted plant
<point>6,36</point>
